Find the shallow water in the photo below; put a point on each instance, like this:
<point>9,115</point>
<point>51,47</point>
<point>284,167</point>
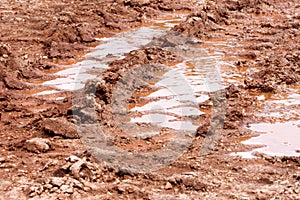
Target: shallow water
<point>169,104</point>
<point>110,49</point>
<point>278,139</point>
<point>272,111</point>
<point>173,101</point>
<point>278,119</point>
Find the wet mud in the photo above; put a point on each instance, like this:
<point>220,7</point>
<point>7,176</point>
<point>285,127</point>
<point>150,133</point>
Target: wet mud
<point>46,131</point>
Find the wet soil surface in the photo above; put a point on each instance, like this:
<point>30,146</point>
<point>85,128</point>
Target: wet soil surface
<point>255,44</point>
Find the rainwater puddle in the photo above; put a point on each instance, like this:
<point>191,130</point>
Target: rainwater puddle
<point>292,99</point>
<point>111,49</point>
<point>173,101</point>
<point>74,76</point>
<point>278,119</point>
<point>280,107</point>
<point>278,139</point>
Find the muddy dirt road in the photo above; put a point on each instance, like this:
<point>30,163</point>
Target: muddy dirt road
<point>135,130</point>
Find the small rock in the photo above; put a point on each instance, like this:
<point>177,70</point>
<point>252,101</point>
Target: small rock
<point>76,167</point>
<point>37,145</point>
<point>190,174</point>
<point>168,186</point>
<point>33,188</point>
<point>66,189</point>
<point>54,189</point>
<point>61,127</point>
<point>91,186</point>
<point>127,188</point>
<point>77,184</point>
<point>86,189</point>
<point>2,160</point>
<point>48,186</point>
<point>57,181</point>
<point>73,159</point>
<point>191,182</point>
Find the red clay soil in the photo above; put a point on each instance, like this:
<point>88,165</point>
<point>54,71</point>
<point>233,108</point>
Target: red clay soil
<point>42,156</point>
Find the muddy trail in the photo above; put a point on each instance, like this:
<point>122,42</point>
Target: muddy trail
<point>150,99</point>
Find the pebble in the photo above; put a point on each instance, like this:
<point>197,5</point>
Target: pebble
<point>78,184</point>
<point>57,181</point>
<point>168,186</point>
<point>73,158</point>
<point>2,160</point>
<point>76,167</point>
<point>37,145</point>
<point>66,189</point>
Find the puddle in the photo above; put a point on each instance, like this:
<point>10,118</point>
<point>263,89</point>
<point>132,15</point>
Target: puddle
<point>274,111</point>
<point>281,107</point>
<point>280,114</point>
<point>278,139</point>
<point>110,49</point>
<point>75,75</point>
<point>292,99</point>
<point>168,104</point>
<point>172,102</point>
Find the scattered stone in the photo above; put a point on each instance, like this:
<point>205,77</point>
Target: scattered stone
<point>126,188</point>
<point>66,189</point>
<point>91,185</point>
<point>76,168</point>
<point>48,186</point>
<point>61,127</point>
<point>168,186</point>
<point>73,159</point>
<point>191,182</point>
<point>77,184</point>
<point>57,181</point>
<point>190,174</point>
<point>2,160</point>
<point>37,145</point>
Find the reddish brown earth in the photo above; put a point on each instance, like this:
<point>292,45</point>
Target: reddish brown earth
<point>42,156</point>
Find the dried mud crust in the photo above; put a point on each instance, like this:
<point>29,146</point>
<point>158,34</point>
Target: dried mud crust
<point>43,159</point>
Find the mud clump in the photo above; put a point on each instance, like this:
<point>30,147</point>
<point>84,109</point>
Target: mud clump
<point>282,70</point>
<point>208,19</point>
<point>37,145</point>
<point>94,104</point>
<point>145,57</point>
<point>272,43</point>
<point>9,66</point>
<point>60,127</point>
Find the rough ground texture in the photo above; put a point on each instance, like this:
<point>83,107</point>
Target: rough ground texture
<point>41,155</point>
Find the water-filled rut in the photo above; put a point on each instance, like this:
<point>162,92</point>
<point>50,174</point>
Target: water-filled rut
<point>168,103</point>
